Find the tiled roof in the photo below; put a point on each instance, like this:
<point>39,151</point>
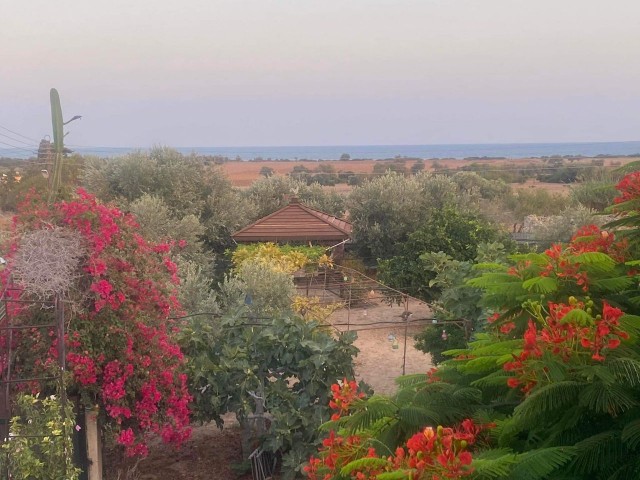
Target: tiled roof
<point>296,223</point>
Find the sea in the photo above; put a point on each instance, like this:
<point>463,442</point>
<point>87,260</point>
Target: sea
<point>379,152</point>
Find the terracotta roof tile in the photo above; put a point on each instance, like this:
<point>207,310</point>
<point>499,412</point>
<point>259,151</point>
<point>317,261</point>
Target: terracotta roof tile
<point>296,222</point>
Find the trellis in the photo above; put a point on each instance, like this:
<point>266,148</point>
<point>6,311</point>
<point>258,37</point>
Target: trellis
<point>357,291</point>
<point>13,302</point>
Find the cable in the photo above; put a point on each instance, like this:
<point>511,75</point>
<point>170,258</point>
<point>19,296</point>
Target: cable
<point>17,140</point>
<point>19,134</point>
<point>18,148</point>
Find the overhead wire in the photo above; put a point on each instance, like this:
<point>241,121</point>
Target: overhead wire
<point>18,148</point>
<point>19,134</point>
<point>17,140</point>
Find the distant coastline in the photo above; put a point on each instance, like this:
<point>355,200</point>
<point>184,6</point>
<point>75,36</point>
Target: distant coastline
<point>381,152</point>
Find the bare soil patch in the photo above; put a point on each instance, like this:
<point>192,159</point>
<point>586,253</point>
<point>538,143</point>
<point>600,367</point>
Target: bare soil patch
<point>380,328</point>
<point>210,453</point>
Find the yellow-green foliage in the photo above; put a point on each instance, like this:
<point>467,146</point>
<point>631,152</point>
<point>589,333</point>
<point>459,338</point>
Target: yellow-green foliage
<point>285,258</point>
<point>310,308</point>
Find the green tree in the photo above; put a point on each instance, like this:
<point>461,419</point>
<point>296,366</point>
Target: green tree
<point>267,171</point>
<point>417,167</point>
<point>286,360</point>
<point>185,185</point>
<point>157,221</point>
<point>270,194</point>
<point>534,202</point>
<point>386,209</point>
<point>450,231</point>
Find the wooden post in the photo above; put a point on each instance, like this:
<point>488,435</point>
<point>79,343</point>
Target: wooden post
<point>94,445</point>
<point>349,309</point>
<point>405,316</point>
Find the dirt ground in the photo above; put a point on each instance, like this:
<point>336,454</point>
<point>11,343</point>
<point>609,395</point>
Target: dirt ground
<point>380,328</point>
<point>210,453</point>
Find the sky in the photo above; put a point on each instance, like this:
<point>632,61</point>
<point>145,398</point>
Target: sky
<point>322,72</point>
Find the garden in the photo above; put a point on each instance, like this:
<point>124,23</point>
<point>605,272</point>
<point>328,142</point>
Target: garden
<point>127,297</point>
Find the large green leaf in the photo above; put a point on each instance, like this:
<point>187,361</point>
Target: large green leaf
<point>541,284</point>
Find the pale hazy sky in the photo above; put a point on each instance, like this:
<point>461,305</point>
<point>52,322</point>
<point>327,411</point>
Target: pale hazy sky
<point>322,72</point>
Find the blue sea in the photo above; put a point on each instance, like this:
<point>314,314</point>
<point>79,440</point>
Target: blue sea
<point>378,152</point>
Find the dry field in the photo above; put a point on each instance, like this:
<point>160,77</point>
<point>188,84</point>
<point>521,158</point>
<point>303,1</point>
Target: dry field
<point>242,174</point>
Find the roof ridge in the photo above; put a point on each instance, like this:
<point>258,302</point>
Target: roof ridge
<point>330,220</point>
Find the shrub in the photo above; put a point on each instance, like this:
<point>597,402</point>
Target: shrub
<point>120,347</point>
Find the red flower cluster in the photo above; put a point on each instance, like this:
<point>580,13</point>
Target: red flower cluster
<point>343,396</point>
<point>561,260</point>
<point>432,375</point>
<point>429,455</point>
<point>439,453</point>
<point>629,188</point>
<point>569,339</point>
<point>120,344</point>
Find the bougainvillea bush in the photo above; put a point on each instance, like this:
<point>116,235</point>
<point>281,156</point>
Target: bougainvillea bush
<point>120,349</point>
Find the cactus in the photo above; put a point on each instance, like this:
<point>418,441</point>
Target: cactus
<point>58,144</point>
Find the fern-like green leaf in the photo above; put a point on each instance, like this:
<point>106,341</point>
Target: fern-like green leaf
<point>626,370</point>
<point>577,316</point>
<point>601,261</point>
<point>616,284</point>
<point>376,408</point>
<point>547,398</point>
<point>631,434</point>
<point>417,417</point>
<point>539,464</point>
<point>468,394</point>
<point>479,365</point>
<point>630,323</point>
<point>492,464</point>
<point>488,280</point>
<point>411,380</point>
<point>499,348</point>
<point>397,475</point>
<point>535,258</point>
<point>541,284</point>
<point>360,463</point>
<point>498,378</point>
<point>598,452</point>
<point>611,399</point>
